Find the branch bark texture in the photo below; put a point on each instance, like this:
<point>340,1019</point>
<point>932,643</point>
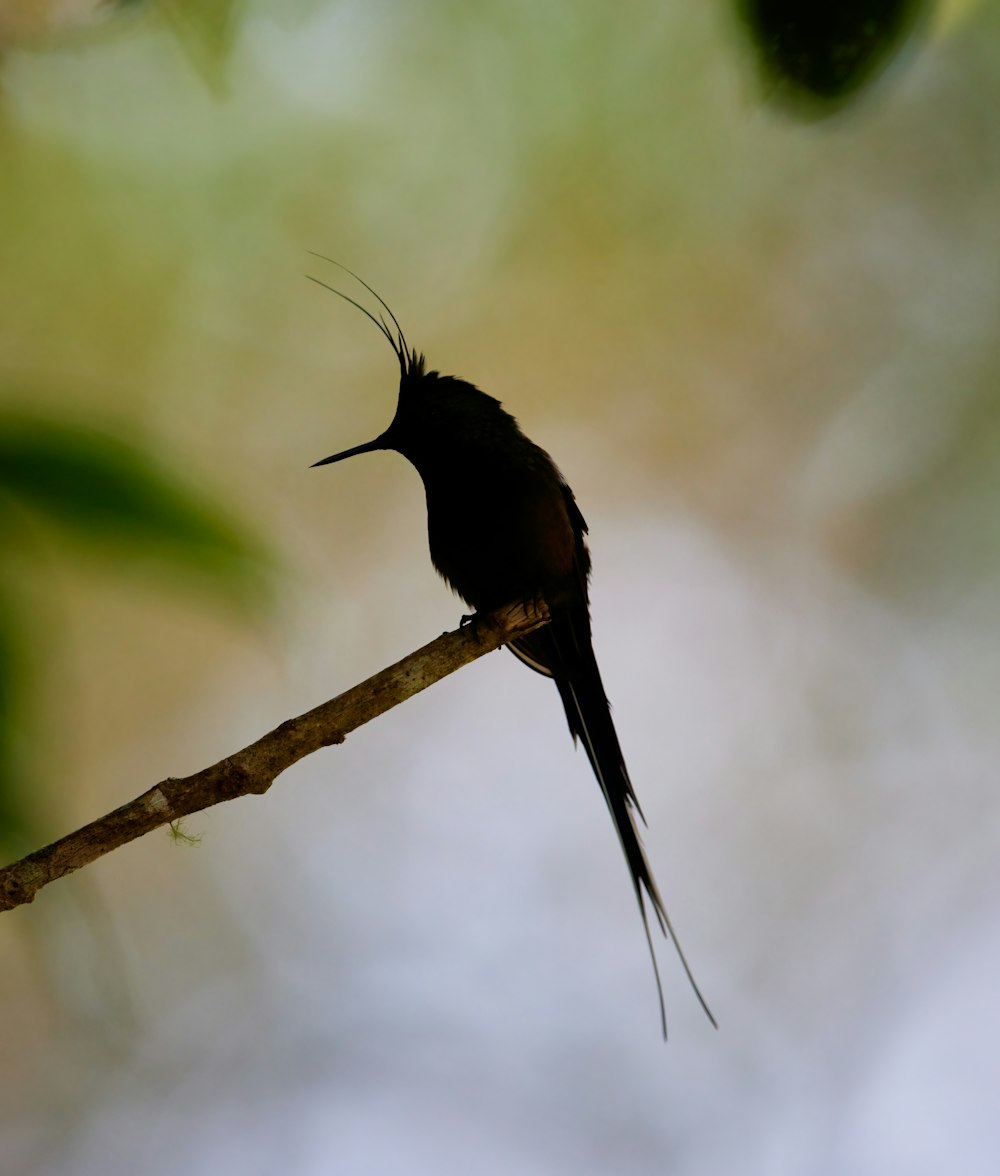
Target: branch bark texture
<point>255,768</point>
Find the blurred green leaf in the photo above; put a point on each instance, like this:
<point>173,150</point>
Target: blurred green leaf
<point>821,52</point>
<point>205,30</point>
<point>119,500</point>
<point>114,494</point>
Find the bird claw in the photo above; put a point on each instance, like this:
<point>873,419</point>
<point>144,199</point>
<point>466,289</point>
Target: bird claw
<point>533,609</point>
<point>472,621</point>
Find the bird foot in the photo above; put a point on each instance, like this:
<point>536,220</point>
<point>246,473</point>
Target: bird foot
<point>473,621</point>
<point>532,609</point>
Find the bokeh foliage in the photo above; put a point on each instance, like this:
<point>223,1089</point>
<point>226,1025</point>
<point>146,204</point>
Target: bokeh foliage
<point>113,499</point>
<point>816,56</point>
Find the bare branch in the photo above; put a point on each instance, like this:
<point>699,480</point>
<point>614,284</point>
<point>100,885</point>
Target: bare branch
<point>255,768</point>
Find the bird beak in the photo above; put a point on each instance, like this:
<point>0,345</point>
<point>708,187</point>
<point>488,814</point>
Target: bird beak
<point>368,447</point>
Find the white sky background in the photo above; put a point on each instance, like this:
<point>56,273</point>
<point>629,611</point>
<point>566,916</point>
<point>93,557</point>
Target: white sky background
<point>420,953</point>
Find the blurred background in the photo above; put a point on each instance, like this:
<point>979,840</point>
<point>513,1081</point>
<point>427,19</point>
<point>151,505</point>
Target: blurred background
<point>750,305</point>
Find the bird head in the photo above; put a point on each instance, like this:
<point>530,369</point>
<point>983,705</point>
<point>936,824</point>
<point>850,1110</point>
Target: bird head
<point>433,412</point>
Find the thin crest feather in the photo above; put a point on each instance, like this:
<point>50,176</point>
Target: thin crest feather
<point>404,353</point>
<point>397,348</point>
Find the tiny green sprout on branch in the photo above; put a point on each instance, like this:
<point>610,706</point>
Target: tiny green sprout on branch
<point>180,836</point>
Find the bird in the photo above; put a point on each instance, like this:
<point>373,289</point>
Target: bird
<point>503,526</point>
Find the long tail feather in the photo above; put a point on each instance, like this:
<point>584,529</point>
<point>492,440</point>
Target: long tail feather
<point>563,650</point>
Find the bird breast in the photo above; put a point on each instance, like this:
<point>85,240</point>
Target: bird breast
<point>498,536</point>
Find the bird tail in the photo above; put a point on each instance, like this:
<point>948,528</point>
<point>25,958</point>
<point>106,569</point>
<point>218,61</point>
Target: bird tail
<point>563,651</point>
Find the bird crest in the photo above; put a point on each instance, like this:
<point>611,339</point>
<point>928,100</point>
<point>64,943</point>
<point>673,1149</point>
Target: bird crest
<point>411,364</point>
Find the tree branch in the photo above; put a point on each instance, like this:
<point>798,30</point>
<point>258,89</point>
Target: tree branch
<point>255,768</point>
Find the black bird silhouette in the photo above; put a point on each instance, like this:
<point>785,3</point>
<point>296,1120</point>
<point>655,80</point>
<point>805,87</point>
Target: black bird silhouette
<point>504,526</point>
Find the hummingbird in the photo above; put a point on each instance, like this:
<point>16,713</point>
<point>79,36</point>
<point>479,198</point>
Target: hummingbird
<point>503,526</point>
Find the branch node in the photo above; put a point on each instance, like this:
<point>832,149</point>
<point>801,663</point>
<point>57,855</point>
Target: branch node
<point>237,780</point>
<point>18,890</point>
